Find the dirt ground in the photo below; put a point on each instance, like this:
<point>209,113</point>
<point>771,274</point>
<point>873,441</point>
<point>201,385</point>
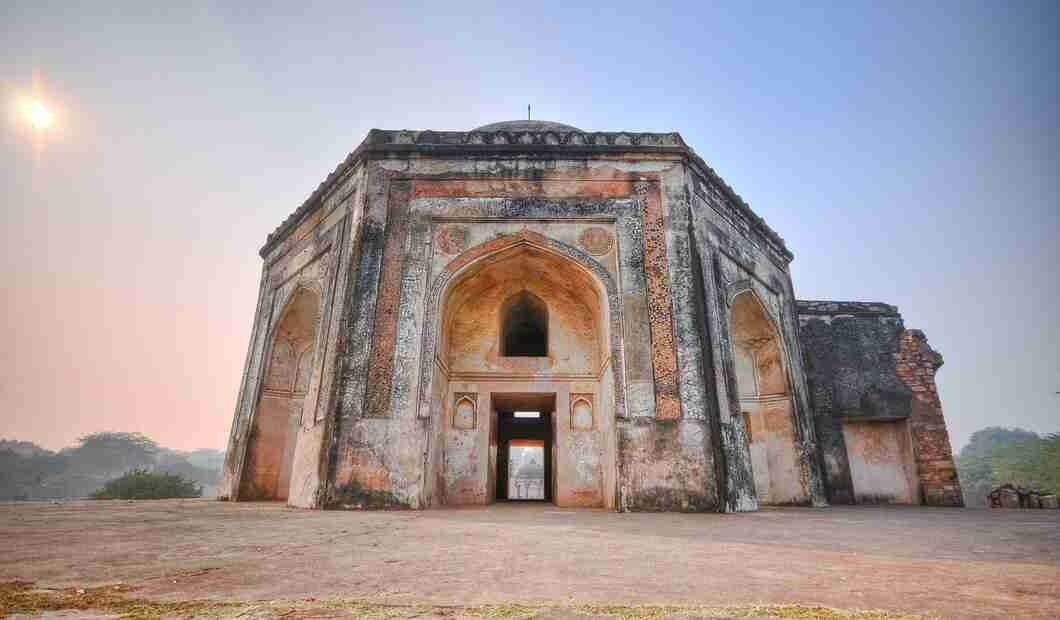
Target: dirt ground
<point>948,563</point>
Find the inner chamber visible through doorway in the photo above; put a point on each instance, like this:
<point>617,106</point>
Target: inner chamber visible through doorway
<point>524,425</point>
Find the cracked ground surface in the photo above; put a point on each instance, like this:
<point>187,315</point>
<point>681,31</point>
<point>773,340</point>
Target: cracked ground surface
<point>949,563</point>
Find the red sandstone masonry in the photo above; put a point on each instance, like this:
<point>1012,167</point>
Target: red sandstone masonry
<point>916,364</point>
<point>664,355</point>
<point>381,364</point>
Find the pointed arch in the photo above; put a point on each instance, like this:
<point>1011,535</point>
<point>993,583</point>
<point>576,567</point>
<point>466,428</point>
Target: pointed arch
<point>278,414</point>
<point>460,266</point>
<point>765,397</point>
<point>758,348</point>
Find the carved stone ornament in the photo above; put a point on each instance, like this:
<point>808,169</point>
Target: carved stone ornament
<point>596,241</point>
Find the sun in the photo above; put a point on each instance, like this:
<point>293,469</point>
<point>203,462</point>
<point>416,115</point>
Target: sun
<point>37,114</point>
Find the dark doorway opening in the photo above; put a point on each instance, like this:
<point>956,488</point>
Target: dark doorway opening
<point>524,326</point>
<point>524,447</point>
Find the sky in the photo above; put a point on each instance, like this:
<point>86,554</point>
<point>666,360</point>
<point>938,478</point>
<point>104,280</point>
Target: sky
<point>907,154</point>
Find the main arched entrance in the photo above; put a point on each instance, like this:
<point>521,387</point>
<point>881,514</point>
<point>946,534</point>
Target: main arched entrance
<point>523,391</point>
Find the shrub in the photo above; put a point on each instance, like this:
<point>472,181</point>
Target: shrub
<point>143,484</point>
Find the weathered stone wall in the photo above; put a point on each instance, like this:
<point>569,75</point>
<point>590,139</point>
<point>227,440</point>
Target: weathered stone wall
<point>849,350</point>
<point>312,253</point>
<point>436,206</point>
<point>865,368</point>
<point>738,254</point>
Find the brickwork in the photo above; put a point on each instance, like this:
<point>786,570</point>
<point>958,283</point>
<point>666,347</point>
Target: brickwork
<point>916,364</point>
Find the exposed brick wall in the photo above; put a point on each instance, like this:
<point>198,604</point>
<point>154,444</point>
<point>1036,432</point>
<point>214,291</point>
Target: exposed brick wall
<point>916,363</point>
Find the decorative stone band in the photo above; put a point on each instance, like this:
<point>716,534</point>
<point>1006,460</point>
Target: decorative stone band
<point>660,315</point>
<point>381,361</point>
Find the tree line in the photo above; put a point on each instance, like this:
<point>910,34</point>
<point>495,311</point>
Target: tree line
<point>996,455</point>
<point>30,472</point>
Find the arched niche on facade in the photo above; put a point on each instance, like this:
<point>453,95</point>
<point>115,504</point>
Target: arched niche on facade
<point>765,401</point>
<point>581,413</point>
<point>757,350</point>
<point>278,415</point>
<point>523,307</point>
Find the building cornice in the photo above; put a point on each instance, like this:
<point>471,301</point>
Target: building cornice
<point>544,145</point>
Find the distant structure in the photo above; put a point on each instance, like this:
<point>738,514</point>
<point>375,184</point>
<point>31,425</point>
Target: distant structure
<point>438,281</point>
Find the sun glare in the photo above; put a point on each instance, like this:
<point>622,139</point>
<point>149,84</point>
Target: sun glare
<point>37,114</point>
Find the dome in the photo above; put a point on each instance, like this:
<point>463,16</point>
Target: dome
<point>526,126</point>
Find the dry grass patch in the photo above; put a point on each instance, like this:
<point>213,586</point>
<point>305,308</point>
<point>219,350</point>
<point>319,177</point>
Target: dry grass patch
<point>19,597</point>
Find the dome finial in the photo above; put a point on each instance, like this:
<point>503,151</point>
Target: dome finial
<point>527,125</point>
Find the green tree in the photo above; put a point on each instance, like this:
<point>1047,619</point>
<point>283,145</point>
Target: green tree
<point>113,452</point>
<point>143,484</point>
<point>996,455</point>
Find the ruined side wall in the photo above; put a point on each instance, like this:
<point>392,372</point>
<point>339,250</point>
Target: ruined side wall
<point>873,380</point>
<point>849,352</point>
<point>313,253</point>
<point>735,255</point>
<point>917,364</point>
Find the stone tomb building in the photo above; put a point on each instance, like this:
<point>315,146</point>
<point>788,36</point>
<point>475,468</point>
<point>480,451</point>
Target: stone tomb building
<point>609,283</point>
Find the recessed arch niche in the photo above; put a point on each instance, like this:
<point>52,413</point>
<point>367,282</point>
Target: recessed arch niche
<point>278,415</point>
<point>765,401</point>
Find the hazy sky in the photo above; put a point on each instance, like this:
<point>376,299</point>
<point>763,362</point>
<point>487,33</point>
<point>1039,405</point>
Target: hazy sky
<point>907,155</point>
